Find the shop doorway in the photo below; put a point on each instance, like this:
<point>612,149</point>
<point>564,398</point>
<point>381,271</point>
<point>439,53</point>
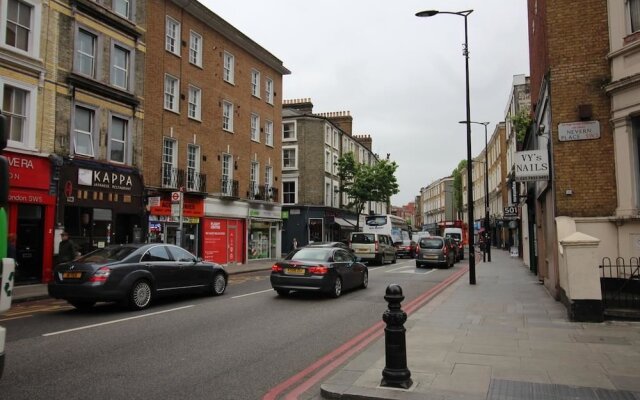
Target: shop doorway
<point>29,239</point>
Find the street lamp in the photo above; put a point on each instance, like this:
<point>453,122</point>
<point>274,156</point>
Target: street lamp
<point>465,53</point>
<point>486,186</point>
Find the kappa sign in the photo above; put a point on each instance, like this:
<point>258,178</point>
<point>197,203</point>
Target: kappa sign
<point>175,197</point>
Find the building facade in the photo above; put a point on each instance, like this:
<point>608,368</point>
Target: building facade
<point>438,205</point>
<point>212,136</point>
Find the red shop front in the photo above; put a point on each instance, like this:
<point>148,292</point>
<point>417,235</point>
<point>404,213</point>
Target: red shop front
<point>223,240</point>
<point>31,216</point>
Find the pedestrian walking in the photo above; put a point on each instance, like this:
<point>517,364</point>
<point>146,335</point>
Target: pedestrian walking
<point>68,250</point>
<point>295,243</point>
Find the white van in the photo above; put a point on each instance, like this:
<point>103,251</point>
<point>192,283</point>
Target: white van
<point>373,247</point>
<point>456,234</point>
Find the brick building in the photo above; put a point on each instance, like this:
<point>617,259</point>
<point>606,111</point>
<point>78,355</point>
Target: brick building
<point>212,131</point>
<point>312,144</point>
<point>571,109</point>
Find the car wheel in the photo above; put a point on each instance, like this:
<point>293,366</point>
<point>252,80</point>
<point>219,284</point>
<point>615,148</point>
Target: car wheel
<point>337,288</point>
<point>82,305</point>
<point>365,279</point>
<point>140,295</point>
<point>282,292</point>
<point>219,285</point>
<point>379,259</point>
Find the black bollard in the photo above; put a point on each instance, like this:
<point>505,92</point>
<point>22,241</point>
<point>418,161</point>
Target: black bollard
<point>395,372</point>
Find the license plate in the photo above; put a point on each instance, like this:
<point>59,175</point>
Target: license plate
<point>71,275</point>
<point>294,271</point>
<point>361,250</point>
<point>429,257</point>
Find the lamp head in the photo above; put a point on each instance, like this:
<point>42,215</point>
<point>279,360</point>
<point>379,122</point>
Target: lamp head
<point>427,13</point>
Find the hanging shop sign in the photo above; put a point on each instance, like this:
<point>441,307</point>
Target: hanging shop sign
<point>582,130</point>
<point>532,165</point>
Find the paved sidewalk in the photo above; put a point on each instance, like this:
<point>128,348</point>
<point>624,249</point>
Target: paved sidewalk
<point>39,291</point>
<point>504,338</point>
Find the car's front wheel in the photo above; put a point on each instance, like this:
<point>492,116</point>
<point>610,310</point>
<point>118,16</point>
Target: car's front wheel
<point>140,295</point>
<point>219,285</point>
<point>337,288</point>
<point>365,279</point>
<point>282,292</point>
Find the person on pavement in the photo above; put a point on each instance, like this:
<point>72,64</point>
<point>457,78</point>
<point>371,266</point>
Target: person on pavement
<point>68,250</point>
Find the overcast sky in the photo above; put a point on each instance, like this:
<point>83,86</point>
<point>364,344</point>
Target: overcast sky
<point>401,77</point>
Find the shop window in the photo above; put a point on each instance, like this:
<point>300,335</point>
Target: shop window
<point>315,230</point>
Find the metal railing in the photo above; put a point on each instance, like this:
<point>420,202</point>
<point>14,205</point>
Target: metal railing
<point>192,181</point>
<point>620,283</point>
<point>228,188</point>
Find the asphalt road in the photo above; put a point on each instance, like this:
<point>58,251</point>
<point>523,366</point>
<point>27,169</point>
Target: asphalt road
<point>237,346</point>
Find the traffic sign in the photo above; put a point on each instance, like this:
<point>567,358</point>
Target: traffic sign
<point>175,197</point>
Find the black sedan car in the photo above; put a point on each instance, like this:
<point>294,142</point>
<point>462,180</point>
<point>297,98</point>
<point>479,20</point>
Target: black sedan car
<point>322,269</point>
<point>134,274</point>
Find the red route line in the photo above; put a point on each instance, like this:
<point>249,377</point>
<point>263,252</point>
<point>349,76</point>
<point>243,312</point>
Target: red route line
<point>338,356</point>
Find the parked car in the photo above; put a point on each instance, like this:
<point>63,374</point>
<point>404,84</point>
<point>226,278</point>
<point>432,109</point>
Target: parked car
<point>436,250</point>
<point>416,238</point>
<point>329,270</point>
<point>134,274</point>
<point>374,247</point>
<point>406,248</point>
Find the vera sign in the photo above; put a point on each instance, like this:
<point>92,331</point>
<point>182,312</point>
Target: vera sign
<point>532,165</point>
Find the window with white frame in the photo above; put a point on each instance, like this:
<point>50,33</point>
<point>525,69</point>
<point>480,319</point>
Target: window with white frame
<point>83,131</point>
<point>172,41</point>
<point>86,44</point>
<point>195,49</point>
<point>289,157</point>
<point>255,83</point>
<point>634,15</point>
<point>253,178</point>
<point>193,168</point>
<point>120,67</point>
<point>327,135</point>
<point>289,131</point>
<point>255,127</point>
<point>336,195</point>
<point>327,161</point>
<point>169,162</point>
<point>195,95</point>
<point>19,105</point>
<point>327,193</point>
<point>228,67</point>
<point>289,191</point>
<point>336,139</point>
<point>334,167</point>
<point>21,25</point>
<point>268,177</point>
<point>268,90</point>
<point>118,137</point>
<point>268,133</point>
<point>227,174</point>
<point>171,87</point>
<point>122,8</point>
<point>227,116</point>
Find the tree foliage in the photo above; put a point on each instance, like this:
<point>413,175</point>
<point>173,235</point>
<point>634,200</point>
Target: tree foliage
<point>521,123</point>
<point>363,183</point>
<point>457,183</point>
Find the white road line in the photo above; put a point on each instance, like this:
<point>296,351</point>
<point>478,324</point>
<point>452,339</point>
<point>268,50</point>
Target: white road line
<point>401,267</point>
<point>251,294</point>
<point>115,321</point>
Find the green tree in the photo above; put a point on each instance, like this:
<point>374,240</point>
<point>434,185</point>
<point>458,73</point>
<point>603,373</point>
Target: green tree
<point>363,183</point>
<point>521,123</point>
<point>457,184</point>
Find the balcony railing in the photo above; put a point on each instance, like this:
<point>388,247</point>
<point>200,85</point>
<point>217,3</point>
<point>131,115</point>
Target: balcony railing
<point>262,192</point>
<point>228,188</point>
<point>174,178</point>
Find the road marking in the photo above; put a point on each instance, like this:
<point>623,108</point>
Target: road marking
<point>251,294</point>
<point>115,321</point>
<point>20,317</point>
<point>314,373</point>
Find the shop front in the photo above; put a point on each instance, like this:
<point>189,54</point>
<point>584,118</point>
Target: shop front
<point>164,221</point>
<point>264,231</point>
<point>32,210</point>
<point>224,231</point>
<point>100,204</point>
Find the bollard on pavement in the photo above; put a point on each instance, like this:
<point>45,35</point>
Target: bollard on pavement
<point>395,372</point>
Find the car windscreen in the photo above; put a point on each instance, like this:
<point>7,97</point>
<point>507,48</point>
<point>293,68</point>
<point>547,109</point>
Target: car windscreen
<point>455,236</point>
<point>431,243</point>
<point>406,242</point>
<point>108,254</point>
<point>377,220</point>
<point>310,254</point>
<point>363,238</point>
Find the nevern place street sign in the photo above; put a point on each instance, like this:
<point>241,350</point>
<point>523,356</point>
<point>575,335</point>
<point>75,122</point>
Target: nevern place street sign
<point>532,165</point>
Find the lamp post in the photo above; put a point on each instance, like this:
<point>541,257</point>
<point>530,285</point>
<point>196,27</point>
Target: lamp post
<point>486,185</point>
<point>465,53</point>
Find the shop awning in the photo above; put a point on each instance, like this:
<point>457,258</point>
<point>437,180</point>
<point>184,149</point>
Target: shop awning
<point>345,223</point>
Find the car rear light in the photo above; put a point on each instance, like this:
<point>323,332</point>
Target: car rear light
<point>319,270</point>
<point>376,243</point>
<point>276,268</point>
<point>101,275</point>
<point>445,250</point>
